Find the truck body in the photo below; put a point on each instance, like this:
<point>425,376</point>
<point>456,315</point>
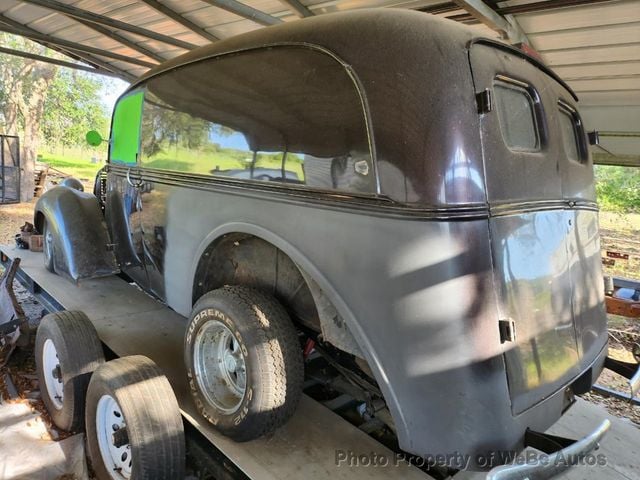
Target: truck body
<point>419,198</point>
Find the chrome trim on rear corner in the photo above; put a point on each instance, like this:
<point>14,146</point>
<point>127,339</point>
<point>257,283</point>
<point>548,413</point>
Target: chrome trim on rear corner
<point>554,463</point>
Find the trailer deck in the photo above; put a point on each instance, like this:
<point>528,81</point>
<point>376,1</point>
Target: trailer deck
<point>131,322</point>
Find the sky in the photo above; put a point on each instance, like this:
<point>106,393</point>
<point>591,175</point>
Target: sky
<point>111,90</point>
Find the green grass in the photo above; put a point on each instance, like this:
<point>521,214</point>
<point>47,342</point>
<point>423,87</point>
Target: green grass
<point>75,163</point>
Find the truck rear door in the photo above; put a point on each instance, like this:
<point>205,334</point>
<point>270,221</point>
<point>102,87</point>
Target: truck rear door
<point>533,222</point>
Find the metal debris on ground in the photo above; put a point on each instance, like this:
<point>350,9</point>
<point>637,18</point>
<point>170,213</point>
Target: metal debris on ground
<point>14,326</point>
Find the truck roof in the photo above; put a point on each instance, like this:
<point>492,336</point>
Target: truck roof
<point>362,33</point>
<point>357,36</point>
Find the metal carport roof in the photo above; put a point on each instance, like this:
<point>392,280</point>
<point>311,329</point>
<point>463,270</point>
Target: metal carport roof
<point>593,44</point>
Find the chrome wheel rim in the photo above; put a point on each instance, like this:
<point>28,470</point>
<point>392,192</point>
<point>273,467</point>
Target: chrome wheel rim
<point>220,367</point>
<point>52,373</point>
<point>116,453</point>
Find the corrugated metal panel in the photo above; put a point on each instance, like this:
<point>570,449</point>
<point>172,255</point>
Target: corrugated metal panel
<point>607,84</point>
<point>595,47</point>
<point>612,53</point>
<point>610,13</point>
<point>593,36</point>
<point>608,69</point>
<point>621,99</point>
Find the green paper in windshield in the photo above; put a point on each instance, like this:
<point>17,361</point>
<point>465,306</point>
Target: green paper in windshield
<point>125,135</point>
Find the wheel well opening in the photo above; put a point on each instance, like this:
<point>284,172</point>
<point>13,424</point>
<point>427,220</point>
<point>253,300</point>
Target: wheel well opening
<point>247,260</point>
<point>243,259</point>
<point>39,221</point>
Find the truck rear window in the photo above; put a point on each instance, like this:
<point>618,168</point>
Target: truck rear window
<point>517,117</point>
<point>571,128</point>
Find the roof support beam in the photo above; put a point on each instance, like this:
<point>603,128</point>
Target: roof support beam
<point>76,47</point>
<point>244,11</point>
<point>299,8</point>
<point>109,22</point>
<point>540,6</point>
<point>83,57</point>
<point>507,27</point>
<point>547,5</point>
<point>55,61</point>
<point>123,40</point>
<point>176,17</point>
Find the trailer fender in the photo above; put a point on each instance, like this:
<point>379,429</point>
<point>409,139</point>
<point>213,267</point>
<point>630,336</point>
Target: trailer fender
<point>81,245</point>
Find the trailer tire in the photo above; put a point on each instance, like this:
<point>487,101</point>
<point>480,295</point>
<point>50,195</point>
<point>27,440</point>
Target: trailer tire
<point>256,347</point>
<point>67,352</point>
<point>131,395</point>
<point>48,247</point>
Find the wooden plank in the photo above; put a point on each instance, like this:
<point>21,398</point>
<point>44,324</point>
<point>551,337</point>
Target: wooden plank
<point>131,322</point>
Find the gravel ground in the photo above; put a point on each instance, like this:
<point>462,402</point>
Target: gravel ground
<point>621,233</point>
<point>12,217</point>
<point>21,366</point>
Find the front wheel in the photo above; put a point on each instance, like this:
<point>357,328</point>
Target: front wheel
<point>48,247</point>
<point>244,362</point>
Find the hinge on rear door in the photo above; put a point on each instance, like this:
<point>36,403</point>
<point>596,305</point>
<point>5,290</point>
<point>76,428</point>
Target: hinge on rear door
<point>507,330</point>
<point>484,101</point>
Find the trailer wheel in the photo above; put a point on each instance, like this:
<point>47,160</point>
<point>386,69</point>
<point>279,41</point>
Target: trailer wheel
<point>48,246</point>
<point>68,350</point>
<point>133,422</point>
<point>244,362</point>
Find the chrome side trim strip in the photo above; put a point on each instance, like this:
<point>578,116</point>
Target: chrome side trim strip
<point>370,203</point>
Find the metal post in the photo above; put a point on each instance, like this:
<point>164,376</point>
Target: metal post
<point>253,163</point>
<point>19,174</point>
<point>2,179</point>
<point>283,166</point>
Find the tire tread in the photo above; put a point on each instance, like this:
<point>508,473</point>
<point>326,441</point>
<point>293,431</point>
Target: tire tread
<point>80,350</point>
<point>280,367</point>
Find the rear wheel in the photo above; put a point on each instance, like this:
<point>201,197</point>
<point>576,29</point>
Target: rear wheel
<point>133,423</point>
<point>244,362</point>
<point>68,350</point>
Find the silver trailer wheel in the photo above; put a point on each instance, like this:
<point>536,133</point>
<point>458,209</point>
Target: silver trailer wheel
<point>52,374</point>
<point>133,424</point>
<point>115,449</point>
<point>221,371</point>
<point>68,350</point>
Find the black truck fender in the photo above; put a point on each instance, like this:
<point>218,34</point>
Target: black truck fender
<point>81,245</point>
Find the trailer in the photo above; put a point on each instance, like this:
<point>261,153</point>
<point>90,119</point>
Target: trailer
<point>315,444</point>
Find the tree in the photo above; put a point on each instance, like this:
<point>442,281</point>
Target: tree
<point>72,108</point>
<point>24,84</point>
<point>618,188</point>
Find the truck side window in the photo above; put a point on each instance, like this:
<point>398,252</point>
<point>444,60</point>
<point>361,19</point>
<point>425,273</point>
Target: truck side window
<point>517,117</point>
<point>570,127</point>
<point>288,115</point>
<point>125,130</point>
